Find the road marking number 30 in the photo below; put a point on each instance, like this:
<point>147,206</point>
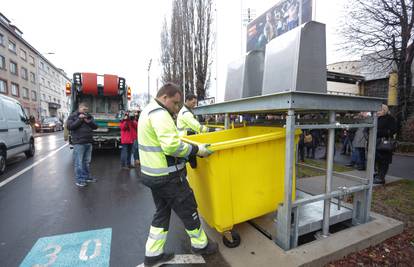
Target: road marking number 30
<point>82,254</point>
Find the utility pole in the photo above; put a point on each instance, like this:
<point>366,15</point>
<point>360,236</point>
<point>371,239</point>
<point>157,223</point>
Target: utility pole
<point>183,68</point>
<point>149,68</point>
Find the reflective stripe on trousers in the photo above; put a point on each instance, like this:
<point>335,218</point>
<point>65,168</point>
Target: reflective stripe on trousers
<point>198,238</point>
<point>155,242</point>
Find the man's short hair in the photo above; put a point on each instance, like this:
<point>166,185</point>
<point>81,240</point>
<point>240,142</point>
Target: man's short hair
<point>190,97</point>
<point>84,104</point>
<point>170,89</point>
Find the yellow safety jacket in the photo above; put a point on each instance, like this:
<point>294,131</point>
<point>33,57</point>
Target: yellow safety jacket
<point>187,123</point>
<point>161,151</point>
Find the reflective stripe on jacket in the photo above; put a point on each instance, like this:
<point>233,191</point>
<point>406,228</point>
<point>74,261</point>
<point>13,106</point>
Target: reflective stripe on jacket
<point>186,122</point>
<point>161,151</point>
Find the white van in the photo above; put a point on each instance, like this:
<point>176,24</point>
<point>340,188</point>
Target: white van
<point>16,134</point>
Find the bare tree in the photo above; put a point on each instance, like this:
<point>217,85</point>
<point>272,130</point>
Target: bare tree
<point>186,47</point>
<point>384,29</point>
<point>165,53</point>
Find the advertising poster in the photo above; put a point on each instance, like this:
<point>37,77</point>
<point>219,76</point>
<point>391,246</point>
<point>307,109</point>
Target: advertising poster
<point>284,16</point>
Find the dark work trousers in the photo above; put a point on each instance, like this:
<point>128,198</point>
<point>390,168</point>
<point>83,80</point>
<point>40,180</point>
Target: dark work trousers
<point>301,149</point>
<point>178,196</point>
<point>382,169</point>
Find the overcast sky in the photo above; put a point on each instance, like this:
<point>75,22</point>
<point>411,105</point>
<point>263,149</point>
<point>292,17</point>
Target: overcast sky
<point>120,37</point>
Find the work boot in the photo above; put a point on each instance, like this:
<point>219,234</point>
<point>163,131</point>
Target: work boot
<point>211,248</point>
<point>158,260</point>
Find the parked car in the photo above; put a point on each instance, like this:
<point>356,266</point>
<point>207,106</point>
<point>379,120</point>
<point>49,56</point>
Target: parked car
<point>37,126</point>
<point>51,124</point>
<point>16,135</point>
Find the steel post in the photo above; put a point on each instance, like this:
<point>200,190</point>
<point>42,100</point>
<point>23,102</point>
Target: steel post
<point>226,121</point>
<point>329,174</point>
<point>372,142</point>
<point>284,213</point>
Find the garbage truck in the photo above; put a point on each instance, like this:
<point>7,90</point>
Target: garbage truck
<point>107,98</point>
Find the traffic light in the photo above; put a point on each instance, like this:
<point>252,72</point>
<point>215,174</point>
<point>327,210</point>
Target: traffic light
<point>68,88</point>
<point>129,93</point>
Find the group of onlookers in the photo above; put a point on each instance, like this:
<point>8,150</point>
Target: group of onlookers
<point>355,143</point>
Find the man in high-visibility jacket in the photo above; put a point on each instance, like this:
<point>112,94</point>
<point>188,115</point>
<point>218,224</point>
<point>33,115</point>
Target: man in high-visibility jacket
<point>186,122</point>
<point>163,156</point>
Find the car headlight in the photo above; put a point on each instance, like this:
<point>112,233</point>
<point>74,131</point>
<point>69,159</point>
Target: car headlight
<point>52,125</point>
<point>37,125</point>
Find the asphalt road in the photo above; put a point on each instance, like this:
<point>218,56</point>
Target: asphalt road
<point>43,201</point>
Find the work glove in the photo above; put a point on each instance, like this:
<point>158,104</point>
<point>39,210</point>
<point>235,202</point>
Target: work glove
<point>203,151</point>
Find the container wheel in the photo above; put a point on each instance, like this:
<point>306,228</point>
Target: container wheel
<point>231,239</point>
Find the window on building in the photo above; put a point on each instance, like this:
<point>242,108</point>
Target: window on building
<point>2,62</point>
<point>12,46</point>
<point>24,73</point>
<point>1,39</point>
<point>54,100</point>
<point>48,69</point>
<point>32,77</point>
<point>13,68</point>
<point>44,97</point>
<point>58,101</point>
<point>42,65</point>
<point>23,54</point>
<point>25,93</point>
<point>31,60</point>
<point>15,89</point>
<point>50,99</point>
<point>43,81</point>
<point>3,87</point>
<point>34,96</point>
<point>48,83</point>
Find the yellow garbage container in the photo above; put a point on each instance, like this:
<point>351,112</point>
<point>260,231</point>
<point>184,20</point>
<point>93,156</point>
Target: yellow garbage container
<point>243,179</point>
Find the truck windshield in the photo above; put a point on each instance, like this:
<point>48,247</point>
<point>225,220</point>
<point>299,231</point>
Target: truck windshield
<point>103,104</point>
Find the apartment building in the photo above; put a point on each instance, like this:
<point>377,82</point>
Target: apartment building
<point>26,75</point>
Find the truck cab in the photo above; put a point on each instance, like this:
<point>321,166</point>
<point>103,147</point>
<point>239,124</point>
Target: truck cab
<point>107,97</point>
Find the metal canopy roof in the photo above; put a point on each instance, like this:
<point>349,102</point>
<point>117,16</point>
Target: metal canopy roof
<point>300,101</point>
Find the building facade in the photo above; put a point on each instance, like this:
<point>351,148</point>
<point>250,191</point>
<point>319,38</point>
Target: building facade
<point>53,100</point>
<point>18,73</point>
<point>29,77</point>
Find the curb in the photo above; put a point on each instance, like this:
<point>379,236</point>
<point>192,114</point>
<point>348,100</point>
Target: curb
<point>404,154</point>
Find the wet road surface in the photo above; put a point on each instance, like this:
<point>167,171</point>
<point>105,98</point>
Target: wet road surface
<point>44,201</point>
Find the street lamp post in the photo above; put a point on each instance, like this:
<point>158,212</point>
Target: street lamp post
<point>149,68</point>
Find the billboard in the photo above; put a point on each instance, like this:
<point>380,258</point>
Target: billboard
<point>284,16</point>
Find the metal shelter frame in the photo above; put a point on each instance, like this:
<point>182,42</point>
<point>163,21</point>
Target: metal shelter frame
<point>291,103</point>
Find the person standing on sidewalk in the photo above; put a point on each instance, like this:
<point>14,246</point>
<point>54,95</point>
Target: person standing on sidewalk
<point>81,125</point>
<point>387,127</point>
<point>163,158</point>
<point>359,143</point>
<point>128,128</point>
<point>187,124</point>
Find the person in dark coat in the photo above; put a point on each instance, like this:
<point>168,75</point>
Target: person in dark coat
<point>81,125</point>
<point>387,127</point>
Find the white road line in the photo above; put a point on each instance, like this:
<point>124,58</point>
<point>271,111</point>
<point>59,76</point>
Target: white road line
<point>183,259</point>
<point>8,180</point>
